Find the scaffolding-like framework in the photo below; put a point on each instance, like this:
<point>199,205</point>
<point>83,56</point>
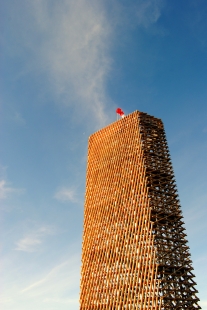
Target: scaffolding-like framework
<point>134,253</point>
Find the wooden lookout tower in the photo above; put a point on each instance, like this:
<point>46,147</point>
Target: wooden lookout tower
<point>134,252</point>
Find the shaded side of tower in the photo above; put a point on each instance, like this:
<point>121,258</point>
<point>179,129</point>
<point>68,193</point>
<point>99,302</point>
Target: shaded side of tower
<point>134,252</point>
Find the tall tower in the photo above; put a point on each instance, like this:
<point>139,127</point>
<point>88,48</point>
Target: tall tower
<point>134,252</point>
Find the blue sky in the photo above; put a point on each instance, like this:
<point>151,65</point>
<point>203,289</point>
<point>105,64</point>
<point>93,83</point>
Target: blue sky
<point>65,67</point>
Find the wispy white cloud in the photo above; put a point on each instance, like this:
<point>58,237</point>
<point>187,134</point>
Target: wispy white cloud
<point>148,12</point>
<point>66,194</point>
<point>6,190</point>
<point>141,13</point>
<point>71,45</point>
<point>28,244</point>
<point>31,242</point>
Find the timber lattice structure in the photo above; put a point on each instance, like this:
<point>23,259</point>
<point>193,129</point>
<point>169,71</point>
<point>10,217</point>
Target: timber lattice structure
<point>134,252</point>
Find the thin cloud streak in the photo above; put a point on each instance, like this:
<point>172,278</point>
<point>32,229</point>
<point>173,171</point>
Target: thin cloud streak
<point>142,13</point>
<point>59,285</point>
<point>31,242</point>
<point>65,194</point>
<point>45,279</point>
<point>6,190</point>
<point>61,278</point>
<point>28,244</point>
<point>148,12</point>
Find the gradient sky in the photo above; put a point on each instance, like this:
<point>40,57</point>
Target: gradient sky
<point>65,67</point>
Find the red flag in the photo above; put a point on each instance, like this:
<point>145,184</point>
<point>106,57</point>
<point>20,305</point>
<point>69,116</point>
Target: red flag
<point>120,112</point>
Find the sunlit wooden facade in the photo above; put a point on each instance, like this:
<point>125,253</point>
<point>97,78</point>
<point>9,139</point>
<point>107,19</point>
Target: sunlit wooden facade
<point>134,252</point>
